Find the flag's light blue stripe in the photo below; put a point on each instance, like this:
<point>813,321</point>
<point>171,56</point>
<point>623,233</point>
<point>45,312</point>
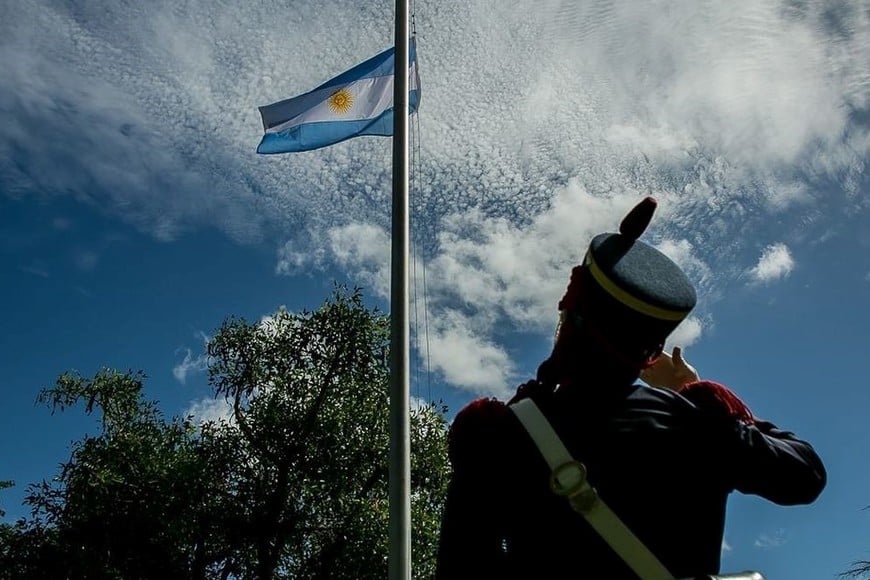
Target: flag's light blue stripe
<point>379,65</point>
<point>316,135</point>
<point>310,136</point>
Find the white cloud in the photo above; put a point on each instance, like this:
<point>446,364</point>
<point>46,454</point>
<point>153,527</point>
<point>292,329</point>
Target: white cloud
<point>769,541</point>
<point>721,110</point>
<point>520,272</point>
<point>158,122</point>
<point>487,271</point>
<point>367,249</point>
<point>210,410</point>
<point>292,260</point>
<point>776,262</point>
<point>467,358</point>
<point>686,334</point>
<point>726,547</point>
<point>190,363</point>
<point>418,403</point>
<point>781,197</point>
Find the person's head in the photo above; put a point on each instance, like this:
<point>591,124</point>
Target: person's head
<point>621,304</point>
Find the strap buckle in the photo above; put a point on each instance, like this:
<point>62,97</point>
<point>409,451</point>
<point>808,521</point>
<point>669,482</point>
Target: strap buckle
<point>569,480</point>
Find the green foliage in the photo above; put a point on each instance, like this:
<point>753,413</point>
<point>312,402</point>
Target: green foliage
<point>310,395</point>
<point>429,477</point>
<point>293,486</point>
<point>4,484</point>
<point>126,504</point>
<point>859,569</point>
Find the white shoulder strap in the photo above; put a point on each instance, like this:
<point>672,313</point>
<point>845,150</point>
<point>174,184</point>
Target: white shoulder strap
<point>569,479</point>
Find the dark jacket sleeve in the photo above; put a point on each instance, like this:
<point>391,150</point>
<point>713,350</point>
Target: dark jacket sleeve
<point>775,464</point>
<point>470,543</point>
<point>759,458</point>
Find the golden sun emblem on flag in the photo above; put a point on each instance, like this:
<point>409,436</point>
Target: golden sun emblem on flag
<point>341,101</point>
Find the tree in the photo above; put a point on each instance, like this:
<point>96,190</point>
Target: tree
<point>309,394</point>
<point>859,569</point>
<point>127,504</point>
<point>292,485</point>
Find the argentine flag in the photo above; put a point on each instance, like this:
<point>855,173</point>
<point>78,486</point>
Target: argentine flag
<point>357,102</point>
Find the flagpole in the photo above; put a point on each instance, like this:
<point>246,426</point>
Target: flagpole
<point>400,434</point>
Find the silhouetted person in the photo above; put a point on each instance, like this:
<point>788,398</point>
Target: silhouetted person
<point>663,459</point>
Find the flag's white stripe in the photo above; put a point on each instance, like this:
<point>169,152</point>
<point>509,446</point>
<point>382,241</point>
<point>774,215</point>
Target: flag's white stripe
<point>412,77</point>
<point>371,97</point>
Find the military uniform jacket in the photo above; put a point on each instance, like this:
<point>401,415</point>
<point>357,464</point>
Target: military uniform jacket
<point>663,464</point>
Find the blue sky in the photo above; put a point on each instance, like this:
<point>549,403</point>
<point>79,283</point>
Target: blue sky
<point>135,216</point>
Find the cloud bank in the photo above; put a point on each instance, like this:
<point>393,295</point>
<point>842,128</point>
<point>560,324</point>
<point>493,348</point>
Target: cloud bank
<point>541,122</point>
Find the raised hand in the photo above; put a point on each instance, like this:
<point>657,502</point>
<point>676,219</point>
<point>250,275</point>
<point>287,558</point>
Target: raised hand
<point>670,372</point>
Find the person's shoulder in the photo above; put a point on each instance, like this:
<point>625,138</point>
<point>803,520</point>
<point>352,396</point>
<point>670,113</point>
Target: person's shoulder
<point>485,412</point>
<point>482,413</point>
<point>661,397</point>
<point>717,400</point>
<point>481,409</point>
<point>475,430</point>
<point>486,425</point>
<point>666,407</point>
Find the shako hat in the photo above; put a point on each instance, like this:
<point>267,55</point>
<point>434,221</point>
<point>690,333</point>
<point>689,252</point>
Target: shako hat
<point>628,290</point>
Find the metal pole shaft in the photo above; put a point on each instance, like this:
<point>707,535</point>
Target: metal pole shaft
<point>400,434</point>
